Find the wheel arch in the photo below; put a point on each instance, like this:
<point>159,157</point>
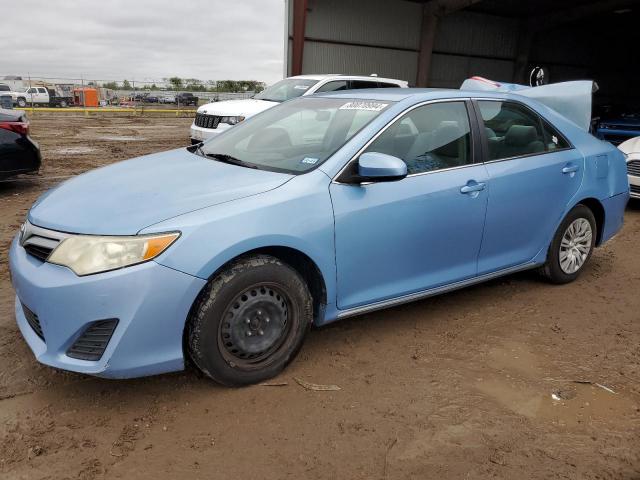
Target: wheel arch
<point>296,259</point>
<point>597,209</point>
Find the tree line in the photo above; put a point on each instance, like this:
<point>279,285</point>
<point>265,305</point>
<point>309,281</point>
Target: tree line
<point>193,85</point>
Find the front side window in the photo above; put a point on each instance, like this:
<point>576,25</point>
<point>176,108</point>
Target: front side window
<point>334,86</point>
<point>428,138</point>
<point>296,136</point>
<point>512,130</point>
<point>286,89</point>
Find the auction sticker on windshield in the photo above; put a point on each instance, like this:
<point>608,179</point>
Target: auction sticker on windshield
<point>370,106</point>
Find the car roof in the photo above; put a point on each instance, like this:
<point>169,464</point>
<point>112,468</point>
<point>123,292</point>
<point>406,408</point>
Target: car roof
<point>349,77</point>
<point>418,94</point>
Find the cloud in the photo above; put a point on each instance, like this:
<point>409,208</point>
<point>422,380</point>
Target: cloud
<point>145,40</point>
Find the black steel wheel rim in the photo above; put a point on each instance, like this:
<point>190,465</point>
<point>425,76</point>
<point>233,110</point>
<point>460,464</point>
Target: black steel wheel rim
<point>255,324</point>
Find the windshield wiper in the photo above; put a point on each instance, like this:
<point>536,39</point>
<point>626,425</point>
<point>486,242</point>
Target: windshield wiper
<point>221,157</point>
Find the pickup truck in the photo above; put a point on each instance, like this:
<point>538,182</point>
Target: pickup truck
<point>40,96</point>
<point>186,98</point>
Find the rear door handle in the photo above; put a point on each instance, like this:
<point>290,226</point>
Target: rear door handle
<point>570,169</point>
<point>472,187</point>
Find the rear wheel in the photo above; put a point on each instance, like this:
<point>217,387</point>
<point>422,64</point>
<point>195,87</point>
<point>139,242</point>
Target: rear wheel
<point>571,247</point>
<point>250,321</point>
<point>63,103</point>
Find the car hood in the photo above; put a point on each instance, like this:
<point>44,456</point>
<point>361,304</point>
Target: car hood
<point>124,198</point>
<point>243,108</point>
<point>630,146</point>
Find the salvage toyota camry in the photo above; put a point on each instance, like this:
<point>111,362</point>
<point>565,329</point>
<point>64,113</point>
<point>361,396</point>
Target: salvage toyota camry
<point>315,210</point>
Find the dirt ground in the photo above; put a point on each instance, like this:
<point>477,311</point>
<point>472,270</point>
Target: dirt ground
<point>458,386</point>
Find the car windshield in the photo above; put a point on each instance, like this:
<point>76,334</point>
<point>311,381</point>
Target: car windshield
<point>296,136</point>
<point>286,89</point>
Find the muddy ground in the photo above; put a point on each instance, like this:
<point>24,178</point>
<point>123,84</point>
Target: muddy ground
<point>459,386</point>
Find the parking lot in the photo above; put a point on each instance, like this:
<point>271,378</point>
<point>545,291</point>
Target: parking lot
<point>513,375</point>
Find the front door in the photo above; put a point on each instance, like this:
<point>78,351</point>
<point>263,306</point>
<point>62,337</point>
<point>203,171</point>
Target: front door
<point>397,238</point>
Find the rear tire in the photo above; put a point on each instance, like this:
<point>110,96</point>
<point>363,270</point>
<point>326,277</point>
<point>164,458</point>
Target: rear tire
<point>63,103</point>
<point>250,321</point>
<point>571,247</point>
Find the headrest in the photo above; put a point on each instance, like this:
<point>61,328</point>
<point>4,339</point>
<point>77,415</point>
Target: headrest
<point>446,138</point>
<point>520,135</point>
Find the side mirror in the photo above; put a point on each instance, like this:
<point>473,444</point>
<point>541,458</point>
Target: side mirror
<point>375,167</point>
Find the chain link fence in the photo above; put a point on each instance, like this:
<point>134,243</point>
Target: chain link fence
<point>48,91</point>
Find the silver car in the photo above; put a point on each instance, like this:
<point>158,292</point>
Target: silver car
<point>631,148</point>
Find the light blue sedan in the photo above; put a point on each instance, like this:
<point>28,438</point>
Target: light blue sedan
<point>319,209</point>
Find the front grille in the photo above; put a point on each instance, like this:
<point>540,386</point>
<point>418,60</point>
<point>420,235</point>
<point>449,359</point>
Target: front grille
<point>38,251</point>
<point>207,121</point>
<point>634,189</point>
<point>40,242</point>
<point>633,168</point>
<point>93,341</point>
<point>33,321</point>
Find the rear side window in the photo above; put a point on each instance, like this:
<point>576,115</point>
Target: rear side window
<point>512,130</point>
<point>42,90</point>
<point>552,138</point>
<point>387,85</point>
<point>4,88</point>
<point>358,84</point>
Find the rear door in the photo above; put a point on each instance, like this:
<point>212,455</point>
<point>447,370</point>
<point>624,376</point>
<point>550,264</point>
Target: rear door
<point>533,173</point>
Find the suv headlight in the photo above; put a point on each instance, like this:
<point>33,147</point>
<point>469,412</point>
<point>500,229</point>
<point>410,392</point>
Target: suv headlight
<point>231,120</point>
<point>88,254</point>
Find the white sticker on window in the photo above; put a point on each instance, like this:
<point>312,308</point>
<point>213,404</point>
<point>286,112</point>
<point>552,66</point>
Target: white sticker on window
<point>301,87</point>
<point>309,160</point>
<point>554,139</point>
<point>371,106</point>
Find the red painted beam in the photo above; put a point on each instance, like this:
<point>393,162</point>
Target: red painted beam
<point>299,26</point>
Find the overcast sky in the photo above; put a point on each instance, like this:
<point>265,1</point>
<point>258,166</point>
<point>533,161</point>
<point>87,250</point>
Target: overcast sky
<point>144,39</point>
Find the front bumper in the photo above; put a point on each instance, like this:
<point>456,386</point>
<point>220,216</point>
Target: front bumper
<point>150,301</point>
<point>199,134</point>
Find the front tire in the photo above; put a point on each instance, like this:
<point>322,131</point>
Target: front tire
<point>22,102</point>
<point>250,321</point>
<point>571,247</point>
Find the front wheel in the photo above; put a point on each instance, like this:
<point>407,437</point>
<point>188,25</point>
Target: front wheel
<point>571,247</point>
<point>22,102</point>
<point>250,321</point>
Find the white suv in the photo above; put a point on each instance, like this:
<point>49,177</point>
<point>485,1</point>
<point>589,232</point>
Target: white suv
<point>214,118</point>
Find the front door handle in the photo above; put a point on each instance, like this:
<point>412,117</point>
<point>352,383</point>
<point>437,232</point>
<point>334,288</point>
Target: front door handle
<point>570,169</point>
<point>472,187</point>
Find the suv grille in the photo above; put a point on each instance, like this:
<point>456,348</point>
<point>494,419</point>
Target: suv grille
<point>633,168</point>
<point>634,189</point>
<point>40,242</point>
<point>93,341</point>
<point>33,321</point>
<point>207,121</point>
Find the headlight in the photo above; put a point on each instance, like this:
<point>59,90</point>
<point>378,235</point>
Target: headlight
<point>231,120</point>
<point>87,254</point>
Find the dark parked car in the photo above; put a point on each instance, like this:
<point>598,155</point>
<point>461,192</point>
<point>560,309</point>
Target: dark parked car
<point>619,128</point>
<point>186,98</point>
<point>151,99</point>
<point>18,153</point>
